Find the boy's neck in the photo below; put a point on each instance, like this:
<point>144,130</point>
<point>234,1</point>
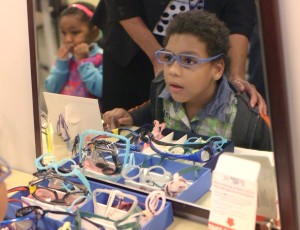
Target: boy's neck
<point>194,106</point>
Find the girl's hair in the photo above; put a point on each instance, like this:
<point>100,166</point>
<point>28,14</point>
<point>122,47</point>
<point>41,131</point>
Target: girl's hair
<point>206,27</point>
<point>82,9</point>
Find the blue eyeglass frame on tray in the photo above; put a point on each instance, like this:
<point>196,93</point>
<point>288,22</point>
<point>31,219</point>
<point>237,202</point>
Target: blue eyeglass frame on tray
<point>7,223</point>
<point>196,60</point>
<point>5,169</point>
<point>73,172</point>
<point>196,157</point>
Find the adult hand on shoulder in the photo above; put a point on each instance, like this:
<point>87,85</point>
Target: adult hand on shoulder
<point>255,97</point>
<point>116,117</point>
<point>81,51</point>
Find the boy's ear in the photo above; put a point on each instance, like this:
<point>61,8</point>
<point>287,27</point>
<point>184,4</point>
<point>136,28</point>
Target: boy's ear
<point>218,69</point>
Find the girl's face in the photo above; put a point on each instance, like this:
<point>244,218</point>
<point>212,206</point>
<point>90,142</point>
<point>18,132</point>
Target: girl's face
<point>196,85</point>
<point>74,31</point>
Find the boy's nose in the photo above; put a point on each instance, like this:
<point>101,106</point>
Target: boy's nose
<point>175,68</point>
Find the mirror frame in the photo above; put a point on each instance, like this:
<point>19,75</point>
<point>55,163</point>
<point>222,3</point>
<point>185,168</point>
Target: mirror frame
<point>276,87</point>
<point>34,77</point>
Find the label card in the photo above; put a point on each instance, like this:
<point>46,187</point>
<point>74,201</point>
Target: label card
<point>234,194</point>
<point>267,208</point>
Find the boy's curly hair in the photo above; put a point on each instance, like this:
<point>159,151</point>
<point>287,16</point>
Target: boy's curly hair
<point>206,27</point>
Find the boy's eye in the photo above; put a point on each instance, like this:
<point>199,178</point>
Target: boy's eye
<point>188,60</point>
<point>168,57</point>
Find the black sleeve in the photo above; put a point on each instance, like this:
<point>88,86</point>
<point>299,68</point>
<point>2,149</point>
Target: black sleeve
<point>100,16</point>
<point>239,15</point>
<point>116,41</point>
<point>115,10</point>
<point>123,9</point>
<point>142,115</point>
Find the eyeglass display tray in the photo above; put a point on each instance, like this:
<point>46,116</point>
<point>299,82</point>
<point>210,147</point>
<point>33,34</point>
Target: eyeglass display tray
<point>159,222</point>
<point>199,182</point>
<point>228,147</point>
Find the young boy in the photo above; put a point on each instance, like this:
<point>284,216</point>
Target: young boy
<point>192,94</point>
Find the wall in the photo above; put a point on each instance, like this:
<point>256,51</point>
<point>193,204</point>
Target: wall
<point>17,143</point>
<point>289,19</point>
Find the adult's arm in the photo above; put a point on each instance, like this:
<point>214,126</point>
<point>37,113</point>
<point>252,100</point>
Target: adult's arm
<point>144,38</point>
<point>127,15</point>
<point>240,17</point>
<point>238,56</point>
<point>142,115</point>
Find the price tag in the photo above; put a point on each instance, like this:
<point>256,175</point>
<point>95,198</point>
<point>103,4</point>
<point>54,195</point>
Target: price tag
<point>234,194</point>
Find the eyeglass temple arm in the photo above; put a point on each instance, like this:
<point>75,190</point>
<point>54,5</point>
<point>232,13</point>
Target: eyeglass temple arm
<point>115,158</point>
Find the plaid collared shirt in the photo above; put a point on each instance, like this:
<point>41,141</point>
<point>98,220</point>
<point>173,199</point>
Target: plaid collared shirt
<point>216,118</point>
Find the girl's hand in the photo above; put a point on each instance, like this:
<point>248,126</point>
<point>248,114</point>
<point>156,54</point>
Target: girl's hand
<point>115,118</point>
<point>63,51</point>
<point>81,51</point>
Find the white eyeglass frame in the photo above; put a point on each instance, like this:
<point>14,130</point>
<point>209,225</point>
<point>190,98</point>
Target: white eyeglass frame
<point>99,207</point>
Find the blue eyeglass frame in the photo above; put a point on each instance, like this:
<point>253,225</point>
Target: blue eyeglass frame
<point>218,141</point>
<point>74,170</point>
<point>177,58</point>
<point>189,156</point>
<point>5,173</point>
<point>5,223</point>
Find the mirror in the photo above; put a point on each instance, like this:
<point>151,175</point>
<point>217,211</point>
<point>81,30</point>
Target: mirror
<point>272,52</point>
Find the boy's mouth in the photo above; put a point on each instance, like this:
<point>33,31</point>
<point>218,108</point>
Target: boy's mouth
<point>175,88</point>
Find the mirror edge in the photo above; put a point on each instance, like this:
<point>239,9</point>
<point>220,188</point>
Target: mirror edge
<point>276,85</point>
<point>277,97</point>
<point>34,78</point>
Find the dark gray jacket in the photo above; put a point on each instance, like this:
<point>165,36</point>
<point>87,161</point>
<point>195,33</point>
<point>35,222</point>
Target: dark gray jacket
<point>249,129</point>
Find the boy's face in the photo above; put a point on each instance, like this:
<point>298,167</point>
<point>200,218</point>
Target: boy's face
<point>195,85</point>
<point>74,31</point>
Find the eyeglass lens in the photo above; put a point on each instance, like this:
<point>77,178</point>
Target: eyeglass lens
<point>183,59</point>
<point>47,195</point>
<point>18,224</point>
<point>206,154</point>
<point>107,168</point>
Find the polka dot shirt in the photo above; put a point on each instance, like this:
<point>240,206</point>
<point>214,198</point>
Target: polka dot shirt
<point>175,7</point>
